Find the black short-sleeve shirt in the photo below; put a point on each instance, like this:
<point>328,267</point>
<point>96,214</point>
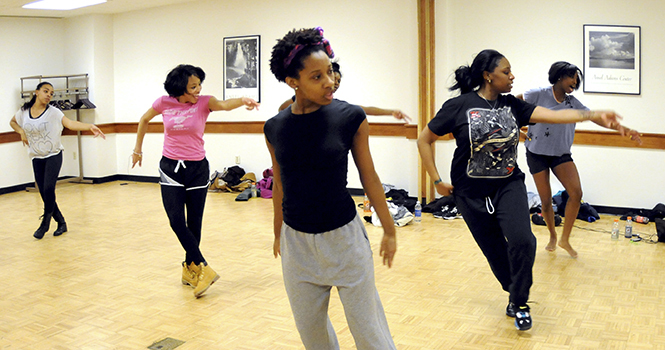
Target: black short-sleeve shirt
<point>312,151</point>
<point>487,135</point>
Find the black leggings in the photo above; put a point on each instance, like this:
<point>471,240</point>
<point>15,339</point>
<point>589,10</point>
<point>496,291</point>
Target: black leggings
<point>184,186</point>
<point>501,226</point>
<point>46,172</point>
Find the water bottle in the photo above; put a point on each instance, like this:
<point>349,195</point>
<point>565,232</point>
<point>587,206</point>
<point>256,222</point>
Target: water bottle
<point>254,191</point>
<point>642,219</point>
<point>615,230</point>
<point>419,212</point>
<point>366,205</point>
<point>629,228</point>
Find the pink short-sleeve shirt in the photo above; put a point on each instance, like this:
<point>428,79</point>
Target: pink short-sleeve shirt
<point>184,124</point>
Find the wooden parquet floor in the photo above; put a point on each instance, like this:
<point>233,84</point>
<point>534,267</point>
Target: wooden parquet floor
<point>113,282</point>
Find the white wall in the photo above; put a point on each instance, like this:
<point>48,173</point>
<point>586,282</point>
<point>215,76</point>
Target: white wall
<point>535,34</point>
<point>30,47</point>
<point>128,56</point>
<point>378,60</point>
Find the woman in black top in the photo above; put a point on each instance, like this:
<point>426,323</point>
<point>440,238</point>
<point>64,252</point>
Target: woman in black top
<point>488,185</point>
<point>318,232</point>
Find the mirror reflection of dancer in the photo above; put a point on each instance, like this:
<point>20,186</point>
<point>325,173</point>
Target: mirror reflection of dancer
<point>548,147</point>
<point>320,236</point>
<point>489,188</point>
<point>368,110</point>
<point>40,126</point>
<point>184,171</point>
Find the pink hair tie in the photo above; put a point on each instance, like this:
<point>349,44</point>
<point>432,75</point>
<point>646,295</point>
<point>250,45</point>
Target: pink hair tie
<point>299,47</point>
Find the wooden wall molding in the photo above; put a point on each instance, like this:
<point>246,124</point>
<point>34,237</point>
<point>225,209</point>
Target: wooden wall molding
<point>426,85</point>
<point>408,131</point>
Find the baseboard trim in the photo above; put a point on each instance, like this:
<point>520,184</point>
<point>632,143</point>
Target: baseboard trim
<point>353,191</point>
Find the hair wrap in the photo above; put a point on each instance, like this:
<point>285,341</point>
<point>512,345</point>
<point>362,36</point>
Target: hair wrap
<point>299,47</point>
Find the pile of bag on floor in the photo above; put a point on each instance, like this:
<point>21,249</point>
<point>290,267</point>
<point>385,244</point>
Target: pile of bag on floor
<point>232,179</point>
<point>559,201</point>
<point>235,179</point>
<point>443,208</point>
<point>655,215</point>
<point>400,206</point>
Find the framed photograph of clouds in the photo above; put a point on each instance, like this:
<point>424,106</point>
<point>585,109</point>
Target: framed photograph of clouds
<point>612,59</point>
<point>242,76</point>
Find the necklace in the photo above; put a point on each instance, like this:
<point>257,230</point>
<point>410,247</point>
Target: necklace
<point>492,111</point>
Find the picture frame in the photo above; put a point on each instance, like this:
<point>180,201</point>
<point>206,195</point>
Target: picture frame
<point>242,68</point>
<point>612,59</point>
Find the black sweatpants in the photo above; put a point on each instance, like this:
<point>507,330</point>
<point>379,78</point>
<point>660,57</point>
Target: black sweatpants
<point>46,172</point>
<point>501,226</point>
<point>184,186</point>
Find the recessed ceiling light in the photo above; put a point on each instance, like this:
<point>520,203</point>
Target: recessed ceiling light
<point>61,4</point>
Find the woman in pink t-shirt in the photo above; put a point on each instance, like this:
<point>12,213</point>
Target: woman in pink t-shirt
<point>183,169</point>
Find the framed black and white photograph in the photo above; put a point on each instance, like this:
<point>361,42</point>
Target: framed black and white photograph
<point>612,59</point>
<point>242,76</point>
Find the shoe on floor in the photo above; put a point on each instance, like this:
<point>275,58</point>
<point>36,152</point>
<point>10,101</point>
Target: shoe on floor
<point>43,227</point>
<point>207,276</point>
<point>190,274</point>
<point>537,218</point>
<point>62,228</point>
<point>447,213</point>
<point>510,309</point>
<point>523,318</point>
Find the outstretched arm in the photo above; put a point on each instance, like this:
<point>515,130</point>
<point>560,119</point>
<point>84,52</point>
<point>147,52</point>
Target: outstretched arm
<point>19,130</point>
<point>277,195</point>
<point>607,119</point>
<point>232,103</point>
<point>425,142</point>
<point>380,111</point>
<point>78,126</point>
<point>374,190</point>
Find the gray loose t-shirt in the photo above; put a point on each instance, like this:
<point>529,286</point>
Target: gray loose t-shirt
<point>551,139</point>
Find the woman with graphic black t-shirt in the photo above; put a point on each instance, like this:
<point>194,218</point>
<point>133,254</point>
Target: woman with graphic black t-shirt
<point>488,185</point>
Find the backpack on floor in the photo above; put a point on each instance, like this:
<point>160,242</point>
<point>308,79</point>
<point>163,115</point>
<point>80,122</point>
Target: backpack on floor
<point>265,186</point>
<point>232,175</point>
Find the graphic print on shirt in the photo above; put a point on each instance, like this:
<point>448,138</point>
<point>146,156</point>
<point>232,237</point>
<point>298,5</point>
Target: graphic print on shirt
<point>176,118</point>
<point>494,136</point>
<point>39,138</point>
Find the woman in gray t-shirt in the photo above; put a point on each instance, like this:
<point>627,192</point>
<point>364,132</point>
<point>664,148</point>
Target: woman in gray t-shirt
<point>548,147</point>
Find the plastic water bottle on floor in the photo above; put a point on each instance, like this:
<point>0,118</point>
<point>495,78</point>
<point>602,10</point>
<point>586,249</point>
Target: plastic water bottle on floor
<point>615,230</point>
<point>254,195</point>
<point>366,205</point>
<point>419,212</point>
<point>642,219</point>
<point>629,228</point>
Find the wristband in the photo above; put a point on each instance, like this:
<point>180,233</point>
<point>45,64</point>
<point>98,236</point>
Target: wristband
<point>438,182</point>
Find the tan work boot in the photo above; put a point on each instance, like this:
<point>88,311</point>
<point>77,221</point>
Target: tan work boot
<point>207,277</point>
<point>190,274</point>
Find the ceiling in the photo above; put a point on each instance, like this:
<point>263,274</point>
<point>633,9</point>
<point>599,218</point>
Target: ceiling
<point>12,8</point>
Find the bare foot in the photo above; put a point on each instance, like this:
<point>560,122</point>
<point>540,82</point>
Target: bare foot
<point>550,247</point>
<point>568,248</point>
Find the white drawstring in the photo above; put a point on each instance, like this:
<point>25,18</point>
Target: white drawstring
<point>488,205</point>
<point>180,162</point>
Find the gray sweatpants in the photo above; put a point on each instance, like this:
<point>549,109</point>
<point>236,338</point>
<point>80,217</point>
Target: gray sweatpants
<point>312,264</point>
